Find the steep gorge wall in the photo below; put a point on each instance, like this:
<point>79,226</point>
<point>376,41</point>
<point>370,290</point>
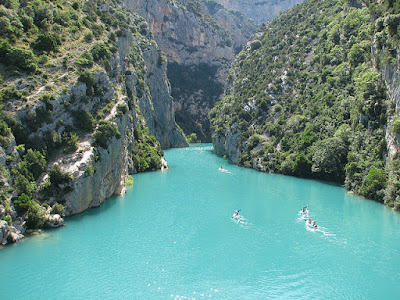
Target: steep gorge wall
<point>259,10</point>
<point>113,163</point>
<point>385,56</point>
<point>102,110</point>
<point>200,39</point>
<point>320,108</point>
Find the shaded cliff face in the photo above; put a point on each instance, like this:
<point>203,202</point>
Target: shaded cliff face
<point>200,39</point>
<point>259,10</point>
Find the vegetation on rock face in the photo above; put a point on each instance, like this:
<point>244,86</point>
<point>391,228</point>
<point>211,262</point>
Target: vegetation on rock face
<point>61,86</point>
<point>307,102</point>
<point>147,151</point>
<point>386,44</point>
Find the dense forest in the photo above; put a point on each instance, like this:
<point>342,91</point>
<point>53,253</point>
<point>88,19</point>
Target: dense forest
<point>307,98</point>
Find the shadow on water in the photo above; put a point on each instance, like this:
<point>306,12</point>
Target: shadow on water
<point>95,211</point>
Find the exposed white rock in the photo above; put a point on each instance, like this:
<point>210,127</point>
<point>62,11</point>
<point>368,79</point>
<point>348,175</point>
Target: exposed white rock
<point>228,145</point>
<point>4,231</point>
<point>54,220</point>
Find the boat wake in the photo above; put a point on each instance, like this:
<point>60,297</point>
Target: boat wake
<point>242,222</point>
<point>304,216</point>
<point>225,171</point>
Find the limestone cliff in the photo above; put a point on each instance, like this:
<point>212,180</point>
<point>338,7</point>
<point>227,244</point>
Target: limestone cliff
<point>102,110</point>
<point>259,10</point>
<point>385,57</point>
<point>200,39</point>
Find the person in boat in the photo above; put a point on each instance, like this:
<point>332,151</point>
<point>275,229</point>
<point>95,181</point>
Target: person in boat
<point>236,214</point>
<point>221,168</point>
<point>314,223</point>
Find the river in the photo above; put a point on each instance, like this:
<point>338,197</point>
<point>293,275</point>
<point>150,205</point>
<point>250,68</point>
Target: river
<point>172,237</point>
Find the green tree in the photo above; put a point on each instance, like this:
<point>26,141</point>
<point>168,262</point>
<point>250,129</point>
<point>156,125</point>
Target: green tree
<point>375,184</point>
<point>47,41</point>
<point>329,159</point>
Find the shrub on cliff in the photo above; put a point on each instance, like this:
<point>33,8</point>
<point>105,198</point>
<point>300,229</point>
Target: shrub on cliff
<point>84,120</point>
<point>21,58</point>
<point>101,51</point>
<point>104,132</point>
<point>70,142</point>
<point>255,44</point>
<point>33,162</point>
<point>396,127</point>
<point>87,78</point>
<point>23,185</point>
<point>23,203</point>
<point>58,176</point>
<point>47,41</point>
<point>58,208</point>
<point>35,215</point>
<point>147,152</point>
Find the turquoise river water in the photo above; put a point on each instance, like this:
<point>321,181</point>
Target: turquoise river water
<point>172,237</point>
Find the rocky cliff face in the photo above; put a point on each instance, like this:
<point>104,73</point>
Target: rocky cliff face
<point>260,11</point>
<point>385,58</point>
<point>190,32</point>
<point>200,39</point>
<point>87,124</point>
<point>149,104</point>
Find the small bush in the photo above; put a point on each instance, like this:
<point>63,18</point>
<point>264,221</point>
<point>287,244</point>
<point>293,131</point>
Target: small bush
<point>122,109</point>
<point>396,127</point>
<point>35,215</point>
<point>192,138</point>
<point>105,131</point>
<point>254,45</point>
<point>84,120</point>
<point>22,204</point>
<point>21,58</point>
<point>129,180</point>
<point>87,78</point>
<point>88,37</point>
<point>58,176</point>
<point>85,60</point>
<point>47,42</point>
<point>101,51</point>
<point>89,170</point>
<point>23,185</point>
<point>70,140</point>
<point>59,209</point>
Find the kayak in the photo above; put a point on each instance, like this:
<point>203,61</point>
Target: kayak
<point>310,225</point>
